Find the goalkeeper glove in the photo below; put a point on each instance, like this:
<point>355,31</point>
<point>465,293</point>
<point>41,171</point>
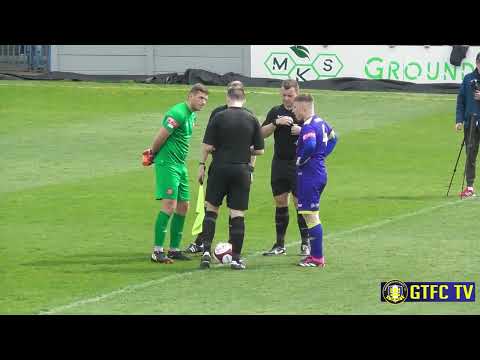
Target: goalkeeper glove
<point>147,157</point>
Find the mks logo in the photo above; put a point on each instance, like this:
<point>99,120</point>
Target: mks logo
<point>299,65</point>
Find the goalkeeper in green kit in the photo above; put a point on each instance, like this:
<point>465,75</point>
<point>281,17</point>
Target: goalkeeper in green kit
<point>168,153</point>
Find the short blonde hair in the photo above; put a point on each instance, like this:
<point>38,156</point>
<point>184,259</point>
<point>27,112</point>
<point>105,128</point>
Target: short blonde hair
<point>236,94</point>
<point>305,98</point>
<point>198,88</point>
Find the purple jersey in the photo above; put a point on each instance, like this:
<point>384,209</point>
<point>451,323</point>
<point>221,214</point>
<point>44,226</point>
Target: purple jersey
<point>314,158</point>
<point>315,142</point>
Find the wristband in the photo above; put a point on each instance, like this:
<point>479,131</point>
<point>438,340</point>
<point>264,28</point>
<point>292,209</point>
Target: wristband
<point>251,168</point>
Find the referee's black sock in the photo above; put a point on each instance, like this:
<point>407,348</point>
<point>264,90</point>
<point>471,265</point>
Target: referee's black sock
<point>208,226</point>
<point>199,239</point>
<point>230,229</point>
<point>281,222</point>
<point>302,226</point>
<point>237,235</point>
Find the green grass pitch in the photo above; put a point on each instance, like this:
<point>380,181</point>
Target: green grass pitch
<point>77,209</point>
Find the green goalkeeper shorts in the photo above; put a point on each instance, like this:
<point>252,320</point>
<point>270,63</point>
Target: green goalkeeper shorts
<point>171,181</point>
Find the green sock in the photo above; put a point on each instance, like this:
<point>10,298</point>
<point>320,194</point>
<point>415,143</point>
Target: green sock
<point>161,228</point>
<point>176,230</point>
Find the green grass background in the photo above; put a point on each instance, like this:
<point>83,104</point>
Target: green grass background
<point>77,208</point>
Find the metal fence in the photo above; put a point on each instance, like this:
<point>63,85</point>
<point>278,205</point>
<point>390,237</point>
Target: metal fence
<point>24,57</point>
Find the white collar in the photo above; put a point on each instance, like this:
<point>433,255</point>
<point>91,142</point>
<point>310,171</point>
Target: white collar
<point>309,120</point>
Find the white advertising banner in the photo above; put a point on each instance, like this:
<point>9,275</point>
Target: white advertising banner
<point>417,64</point>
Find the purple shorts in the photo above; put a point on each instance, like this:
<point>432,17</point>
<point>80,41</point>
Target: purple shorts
<point>309,190</point>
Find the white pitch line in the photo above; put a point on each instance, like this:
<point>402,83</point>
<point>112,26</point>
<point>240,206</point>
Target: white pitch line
<point>113,293</point>
<point>179,275</point>
<point>396,218</point>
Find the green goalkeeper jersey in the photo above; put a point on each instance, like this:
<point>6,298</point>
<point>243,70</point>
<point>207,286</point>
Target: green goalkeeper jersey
<point>179,121</point>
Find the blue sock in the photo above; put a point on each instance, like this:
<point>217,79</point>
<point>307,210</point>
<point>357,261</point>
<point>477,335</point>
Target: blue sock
<point>316,235</point>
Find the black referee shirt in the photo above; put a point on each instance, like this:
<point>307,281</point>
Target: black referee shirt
<point>285,142</point>
<point>232,132</point>
<point>219,109</point>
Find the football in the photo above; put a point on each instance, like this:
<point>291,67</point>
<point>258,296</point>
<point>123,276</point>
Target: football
<point>223,253</point>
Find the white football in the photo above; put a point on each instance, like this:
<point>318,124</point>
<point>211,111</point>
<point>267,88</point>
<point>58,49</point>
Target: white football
<point>223,253</point>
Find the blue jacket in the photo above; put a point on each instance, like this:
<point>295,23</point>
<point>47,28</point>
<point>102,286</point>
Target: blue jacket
<point>466,104</point>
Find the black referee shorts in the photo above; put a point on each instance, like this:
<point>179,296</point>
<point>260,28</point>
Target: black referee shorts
<point>283,177</point>
<point>230,180</point>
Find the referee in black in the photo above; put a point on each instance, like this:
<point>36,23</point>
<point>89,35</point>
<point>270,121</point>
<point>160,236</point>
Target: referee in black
<point>282,123</point>
<point>197,246</point>
<point>232,137</point>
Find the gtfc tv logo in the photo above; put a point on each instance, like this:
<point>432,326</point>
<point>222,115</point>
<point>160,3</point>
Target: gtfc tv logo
<point>397,292</point>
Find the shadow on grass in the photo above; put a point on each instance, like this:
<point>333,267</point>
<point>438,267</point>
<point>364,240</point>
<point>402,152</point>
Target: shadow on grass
<point>438,197</point>
<point>273,265</point>
<point>115,255</point>
<point>120,263</point>
<point>93,259</point>
<point>160,269</point>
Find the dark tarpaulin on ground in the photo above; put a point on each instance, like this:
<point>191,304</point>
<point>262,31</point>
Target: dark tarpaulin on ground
<point>58,75</point>
<point>192,76</point>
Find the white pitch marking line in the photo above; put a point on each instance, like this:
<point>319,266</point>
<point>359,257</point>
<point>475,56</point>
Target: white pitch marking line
<point>159,281</point>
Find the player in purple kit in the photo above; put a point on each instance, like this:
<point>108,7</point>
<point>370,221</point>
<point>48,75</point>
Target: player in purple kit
<point>315,142</point>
